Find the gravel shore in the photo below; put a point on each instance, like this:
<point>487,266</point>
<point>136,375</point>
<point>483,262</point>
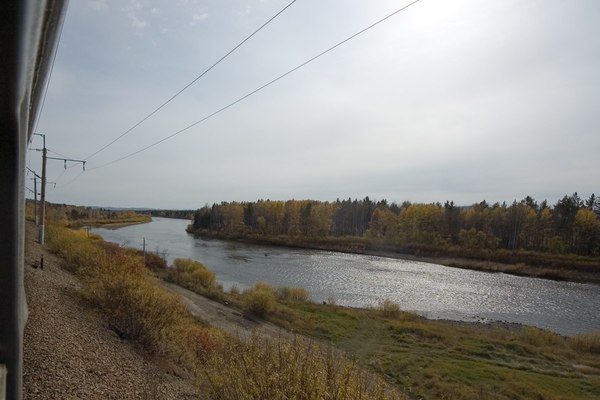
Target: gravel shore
<point>69,351</point>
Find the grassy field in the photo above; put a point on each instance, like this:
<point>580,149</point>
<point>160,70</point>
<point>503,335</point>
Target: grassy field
<point>435,359</point>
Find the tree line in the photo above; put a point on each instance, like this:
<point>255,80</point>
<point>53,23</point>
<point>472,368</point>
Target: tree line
<point>79,215</point>
<point>178,214</point>
<point>571,226</point>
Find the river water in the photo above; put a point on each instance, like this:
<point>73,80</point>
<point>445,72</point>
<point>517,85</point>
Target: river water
<point>354,280</point>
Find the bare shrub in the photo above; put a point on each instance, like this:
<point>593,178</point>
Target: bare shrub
<point>331,299</point>
<point>389,309</point>
<point>293,295</point>
<point>234,291</point>
<point>155,261</point>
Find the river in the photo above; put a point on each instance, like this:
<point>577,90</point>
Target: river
<point>431,290</point>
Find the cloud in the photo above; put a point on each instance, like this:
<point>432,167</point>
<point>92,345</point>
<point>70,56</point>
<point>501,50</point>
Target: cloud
<point>132,9</point>
<point>200,17</point>
<point>155,11</point>
<point>138,23</point>
<point>98,5</point>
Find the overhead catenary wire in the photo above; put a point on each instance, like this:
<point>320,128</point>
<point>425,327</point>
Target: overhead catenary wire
<point>57,179</point>
<point>71,181</point>
<point>39,116</point>
<point>58,154</point>
<point>258,89</point>
<point>191,83</point>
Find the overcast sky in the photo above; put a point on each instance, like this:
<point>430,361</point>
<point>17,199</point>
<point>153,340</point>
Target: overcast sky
<point>458,100</point>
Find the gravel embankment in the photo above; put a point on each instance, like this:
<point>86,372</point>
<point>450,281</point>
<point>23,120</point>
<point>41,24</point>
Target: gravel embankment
<point>70,353</point>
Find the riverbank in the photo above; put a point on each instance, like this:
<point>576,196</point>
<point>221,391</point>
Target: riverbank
<point>110,223</point>
<point>559,268</point>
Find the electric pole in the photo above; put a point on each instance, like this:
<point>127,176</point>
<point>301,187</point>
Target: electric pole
<point>35,198</point>
<point>35,193</point>
<point>43,194</point>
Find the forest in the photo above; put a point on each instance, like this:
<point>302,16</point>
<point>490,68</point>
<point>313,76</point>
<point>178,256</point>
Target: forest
<point>484,231</point>
<point>179,214</point>
<point>77,216</point>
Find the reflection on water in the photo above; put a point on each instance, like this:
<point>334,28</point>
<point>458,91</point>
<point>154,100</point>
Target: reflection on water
<point>356,280</point>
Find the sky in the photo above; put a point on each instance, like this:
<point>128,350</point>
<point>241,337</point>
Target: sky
<point>463,100</point>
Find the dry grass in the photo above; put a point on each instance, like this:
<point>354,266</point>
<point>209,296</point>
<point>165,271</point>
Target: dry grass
<point>389,309</point>
<point>135,306</point>
<point>539,338</point>
<point>587,342</point>
<point>293,295</point>
<point>290,369</point>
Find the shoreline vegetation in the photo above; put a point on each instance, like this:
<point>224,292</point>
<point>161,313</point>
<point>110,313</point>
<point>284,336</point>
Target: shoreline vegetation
<point>527,238</point>
<point>111,224</point>
<point>336,352</point>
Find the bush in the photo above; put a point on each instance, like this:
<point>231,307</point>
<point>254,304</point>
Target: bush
<point>293,295</point>
<point>260,299</point>
<point>234,291</point>
<point>79,253</point>
<point>389,309</point>
<point>195,273</point>
<point>155,261</point>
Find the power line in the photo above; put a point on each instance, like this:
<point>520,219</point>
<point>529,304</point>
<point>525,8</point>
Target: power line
<point>192,82</point>
<point>60,175</point>
<point>258,89</point>
<point>58,154</point>
<point>60,31</point>
<point>70,182</point>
